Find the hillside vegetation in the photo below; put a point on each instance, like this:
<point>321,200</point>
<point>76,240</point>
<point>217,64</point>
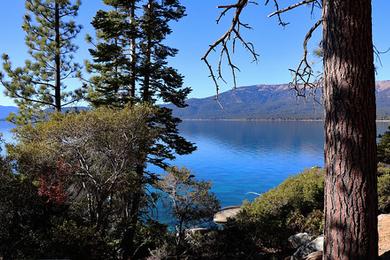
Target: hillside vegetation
<point>268,102</point>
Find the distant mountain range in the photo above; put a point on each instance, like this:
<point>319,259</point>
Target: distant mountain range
<point>6,110</point>
<point>265,102</point>
<point>259,102</point>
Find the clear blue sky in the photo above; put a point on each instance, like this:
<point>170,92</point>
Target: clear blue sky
<point>279,48</point>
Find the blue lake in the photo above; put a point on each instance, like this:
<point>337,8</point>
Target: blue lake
<point>243,157</point>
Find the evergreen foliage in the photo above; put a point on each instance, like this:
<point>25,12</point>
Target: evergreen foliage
<point>384,193</point>
<point>159,80</point>
<point>129,56</point>
<point>286,210</point>
<point>114,65</point>
<point>130,66</point>
<point>191,202</point>
<point>38,85</point>
<point>86,163</point>
<point>384,148</point>
<point>295,206</point>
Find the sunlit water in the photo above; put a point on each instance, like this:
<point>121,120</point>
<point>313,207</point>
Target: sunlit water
<point>244,157</point>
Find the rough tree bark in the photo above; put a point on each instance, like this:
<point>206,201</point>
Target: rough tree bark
<point>350,131</point>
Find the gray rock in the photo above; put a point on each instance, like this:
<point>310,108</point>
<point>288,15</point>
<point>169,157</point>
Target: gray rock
<point>222,216</point>
<point>314,256</point>
<point>314,246</point>
<point>299,240</point>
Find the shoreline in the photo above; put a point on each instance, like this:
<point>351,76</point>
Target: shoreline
<point>251,120</point>
<point>263,120</point>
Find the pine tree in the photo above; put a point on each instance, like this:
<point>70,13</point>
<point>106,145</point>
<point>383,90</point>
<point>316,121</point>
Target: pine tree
<point>114,55</point>
<point>39,84</point>
<point>160,81</point>
<point>130,65</point>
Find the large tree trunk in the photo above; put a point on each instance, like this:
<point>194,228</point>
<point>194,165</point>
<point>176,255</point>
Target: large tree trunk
<point>350,131</point>
<point>57,91</point>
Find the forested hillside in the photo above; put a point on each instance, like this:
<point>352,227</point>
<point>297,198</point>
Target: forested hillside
<point>269,102</point>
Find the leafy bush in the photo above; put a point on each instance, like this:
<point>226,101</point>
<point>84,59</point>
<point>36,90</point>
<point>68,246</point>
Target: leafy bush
<point>85,163</point>
<point>384,193</point>
<point>294,206</point>
<point>384,147</point>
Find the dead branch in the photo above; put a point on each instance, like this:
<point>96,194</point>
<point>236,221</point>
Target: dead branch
<point>278,11</point>
<point>233,34</point>
<point>304,77</point>
<point>378,54</point>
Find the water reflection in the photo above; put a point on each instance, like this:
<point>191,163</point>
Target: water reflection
<point>242,157</point>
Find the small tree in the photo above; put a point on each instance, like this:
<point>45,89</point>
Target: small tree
<point>39,84</point>
<point>90,160</point>
<point>190,200</point>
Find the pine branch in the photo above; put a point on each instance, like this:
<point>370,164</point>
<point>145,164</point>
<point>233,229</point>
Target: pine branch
<point>16,94</point>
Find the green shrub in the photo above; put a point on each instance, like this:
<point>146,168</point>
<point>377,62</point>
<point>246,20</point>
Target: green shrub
<point>294,206</point>
<point>384,147</point>
<point>383,169</point>
<point>384,193</point>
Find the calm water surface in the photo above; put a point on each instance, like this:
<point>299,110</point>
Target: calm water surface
<point>244,157</point>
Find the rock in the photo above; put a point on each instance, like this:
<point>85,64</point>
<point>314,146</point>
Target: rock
<point>384,235</point>
<point>224,214</point>
<point>299,240</point>
<point>313,246</point>
<point>314,256</point>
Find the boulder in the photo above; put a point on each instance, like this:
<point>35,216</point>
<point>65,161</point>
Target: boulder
<point>313,250</point>
<point>314,256</point>
<point>311,247</point>
<point>384,235</point>
<point>222,216</point>
<point>299,240</point>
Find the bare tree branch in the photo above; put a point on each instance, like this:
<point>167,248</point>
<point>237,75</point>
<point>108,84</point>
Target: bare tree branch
<point>233,34</point>
<point>278,11</point>
<point>378,54</point>
<point>304,77</point>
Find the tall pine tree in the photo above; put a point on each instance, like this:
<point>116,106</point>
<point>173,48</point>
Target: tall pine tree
<point>114,54</point>
<point>38,85</point>
<point>130,65</point>
<point>160,81</point>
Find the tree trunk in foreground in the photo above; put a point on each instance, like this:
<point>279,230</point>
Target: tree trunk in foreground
<point>350,131</point>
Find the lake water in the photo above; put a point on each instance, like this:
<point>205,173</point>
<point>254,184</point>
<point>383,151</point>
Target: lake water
<point>244,157</point>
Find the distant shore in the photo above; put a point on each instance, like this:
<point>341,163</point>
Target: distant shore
<point>266,120</point>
